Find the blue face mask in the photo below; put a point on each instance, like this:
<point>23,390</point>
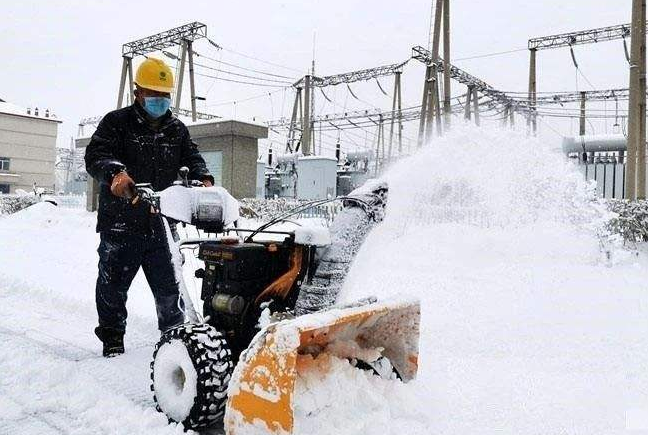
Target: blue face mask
<point>156,106</point>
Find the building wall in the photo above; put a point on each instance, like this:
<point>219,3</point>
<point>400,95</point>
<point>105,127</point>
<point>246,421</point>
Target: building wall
<point>238,141</point>
<point>30,144</point>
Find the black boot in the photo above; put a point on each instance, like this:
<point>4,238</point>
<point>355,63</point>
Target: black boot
<point>113,341</point>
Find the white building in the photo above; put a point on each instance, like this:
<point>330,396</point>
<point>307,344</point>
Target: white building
<point>27,148</point>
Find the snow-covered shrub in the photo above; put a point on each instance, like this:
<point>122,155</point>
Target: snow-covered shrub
<point>11,203</point>
<point>631,220</point>
<point>266,209</point>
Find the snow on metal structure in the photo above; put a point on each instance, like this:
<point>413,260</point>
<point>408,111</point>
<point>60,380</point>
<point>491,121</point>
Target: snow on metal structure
<point>282,178</point>
<point>302,177</point>
<point>353,171</point>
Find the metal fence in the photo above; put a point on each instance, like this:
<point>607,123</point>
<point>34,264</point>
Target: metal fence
<point>609,178</point>
<point>70,201</point>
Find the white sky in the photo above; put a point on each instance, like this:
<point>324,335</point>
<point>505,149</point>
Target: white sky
<point>66,55</point>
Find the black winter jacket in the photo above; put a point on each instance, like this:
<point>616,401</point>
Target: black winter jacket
<point>126,140</point>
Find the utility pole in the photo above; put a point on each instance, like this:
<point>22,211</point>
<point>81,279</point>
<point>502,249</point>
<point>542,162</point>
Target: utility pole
<point>293,122</point>
<point>583,100</point>
<point>424,104</point>
<point>635,181</point>
<point>380,144</point>
<point>183,58</point>
<point>192,86</point>
<point>469,95</point>
<point>531,120</point>
<point>306,122</point>
<point>434,92</point>
<point>131,84</point>
<point>396,102</point>
<point>431,75</point>
<point>447,110</point>
<point>127,68</point>
<point>582,120</point>
<point>312,102</point>
<point>475,101</point>
<point>400,118</point>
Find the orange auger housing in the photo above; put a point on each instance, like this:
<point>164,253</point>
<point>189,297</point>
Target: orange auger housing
<point>260,395</point>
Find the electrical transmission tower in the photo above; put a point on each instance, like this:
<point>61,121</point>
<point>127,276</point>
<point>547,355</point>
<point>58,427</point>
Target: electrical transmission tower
<point>635,176</point>
<point>183,36</point>
<point>95,120</point>
<point>305,86</point>
<point>570,39</point>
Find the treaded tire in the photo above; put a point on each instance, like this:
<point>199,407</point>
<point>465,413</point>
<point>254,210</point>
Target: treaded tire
<point>211,359</point>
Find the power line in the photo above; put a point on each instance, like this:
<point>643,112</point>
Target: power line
<point>244,68</point>
<point>238,81</point>
<point>241,75</point>
<point>499,53</point>
<point>261,60</point>
<point>254,97</point>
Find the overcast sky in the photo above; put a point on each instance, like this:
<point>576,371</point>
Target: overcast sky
<point>66,55</point>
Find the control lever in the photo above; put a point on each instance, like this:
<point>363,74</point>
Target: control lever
<point>184,175</point>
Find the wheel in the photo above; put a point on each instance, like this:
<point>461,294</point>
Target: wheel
<point>191,368</point>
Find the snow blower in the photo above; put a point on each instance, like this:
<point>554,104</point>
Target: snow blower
<point>268,308</point>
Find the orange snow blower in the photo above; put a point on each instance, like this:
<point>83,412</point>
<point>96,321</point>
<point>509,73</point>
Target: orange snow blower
<point>267,308</point>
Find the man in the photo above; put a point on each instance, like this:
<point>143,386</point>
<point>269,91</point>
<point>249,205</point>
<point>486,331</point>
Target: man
<point>142,143</point>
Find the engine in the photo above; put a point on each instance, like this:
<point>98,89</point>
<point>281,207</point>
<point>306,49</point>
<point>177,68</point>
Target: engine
<point>235,277</point>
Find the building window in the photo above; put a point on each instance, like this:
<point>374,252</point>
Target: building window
<point>4,163</point>
<point>4,188</point>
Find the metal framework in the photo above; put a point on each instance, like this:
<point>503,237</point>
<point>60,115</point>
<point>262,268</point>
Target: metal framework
<point>306,84</point>
<point>166,39</point>
<point>600,95</point>
<point>95,120</point>
<point>353,76</point>
<point>183,36</point>
<point>351,115</point>
<point>423,55</point>
<point>72,163</point>
<point>570,39</point>
<point>407,114</point>
<point>592,36</point>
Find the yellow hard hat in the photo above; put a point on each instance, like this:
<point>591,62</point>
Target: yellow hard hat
<point>154,74</point>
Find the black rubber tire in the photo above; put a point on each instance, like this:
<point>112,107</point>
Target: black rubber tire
<point>212,361</point>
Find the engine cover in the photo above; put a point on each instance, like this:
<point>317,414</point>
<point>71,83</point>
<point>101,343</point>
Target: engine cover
<point>235,274</point>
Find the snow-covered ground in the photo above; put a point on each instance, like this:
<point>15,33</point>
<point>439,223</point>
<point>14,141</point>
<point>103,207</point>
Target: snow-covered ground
<point>527,328</point>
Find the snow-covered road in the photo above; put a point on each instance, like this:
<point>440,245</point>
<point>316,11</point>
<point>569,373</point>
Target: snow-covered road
<point>527,328</point>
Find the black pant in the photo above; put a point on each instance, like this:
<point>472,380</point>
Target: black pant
<point>120,257</point>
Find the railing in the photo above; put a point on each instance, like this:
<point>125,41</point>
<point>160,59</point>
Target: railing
<point>69,201</point>
<point>609,178</point>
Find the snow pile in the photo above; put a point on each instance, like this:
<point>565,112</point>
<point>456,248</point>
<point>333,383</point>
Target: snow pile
<point>335,398</point>
<point>524,328</point>
<point>310,233</point>
<point>12,203</point>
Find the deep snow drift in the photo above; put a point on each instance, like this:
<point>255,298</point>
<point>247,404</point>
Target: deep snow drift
<point>526,328</point>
